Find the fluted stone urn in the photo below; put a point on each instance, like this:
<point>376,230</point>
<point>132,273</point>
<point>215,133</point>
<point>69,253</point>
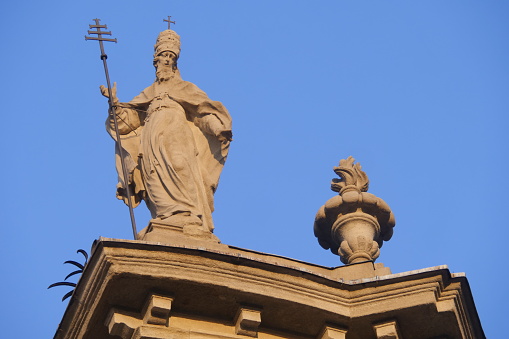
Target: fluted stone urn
<point>353,224</point>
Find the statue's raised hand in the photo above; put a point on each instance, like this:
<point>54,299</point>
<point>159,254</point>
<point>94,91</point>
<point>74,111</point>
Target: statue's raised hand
<point>104,92</point>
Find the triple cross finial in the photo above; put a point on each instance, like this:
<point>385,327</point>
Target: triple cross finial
<point>169,21</point>
<point>99,32</point>
<point>100,37</point>
<point>112,111</point>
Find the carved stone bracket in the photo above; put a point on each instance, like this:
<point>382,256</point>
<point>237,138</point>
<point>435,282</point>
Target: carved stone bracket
<point>153,322</point>
<point>354,223</point>
<point>387,330</point>
<point>247,321</point>
<point>332,332</point>
<point>127,324</point>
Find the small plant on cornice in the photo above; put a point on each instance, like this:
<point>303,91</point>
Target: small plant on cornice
<point>81,268</point>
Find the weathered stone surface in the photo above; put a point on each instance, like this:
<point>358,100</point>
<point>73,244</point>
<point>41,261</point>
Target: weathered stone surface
<point>165,232</point>
<point>157,310</point>
<point>387,330</point>
<point>247,321</point>
<point>207,287</point>
<point>125,324</point>
<point>355,223</point>
<point>332,332</point>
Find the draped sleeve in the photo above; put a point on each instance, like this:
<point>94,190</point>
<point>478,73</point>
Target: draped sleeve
<point>130,120</point>
<point>207,119</point>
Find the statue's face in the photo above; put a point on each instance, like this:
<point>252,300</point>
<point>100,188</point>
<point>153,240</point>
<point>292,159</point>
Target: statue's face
<point>166,59</point>
<point>166,65</point>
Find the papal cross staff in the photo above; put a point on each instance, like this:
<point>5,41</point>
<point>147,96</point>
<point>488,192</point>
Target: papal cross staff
<point>112,111</point>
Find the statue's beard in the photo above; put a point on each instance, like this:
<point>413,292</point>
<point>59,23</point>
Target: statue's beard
<point>164,73</point>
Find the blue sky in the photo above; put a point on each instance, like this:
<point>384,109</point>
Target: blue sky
<point>416,91</point>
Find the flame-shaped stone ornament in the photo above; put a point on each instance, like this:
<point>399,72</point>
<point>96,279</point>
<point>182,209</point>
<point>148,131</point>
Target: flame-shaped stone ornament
<point>354,223</point>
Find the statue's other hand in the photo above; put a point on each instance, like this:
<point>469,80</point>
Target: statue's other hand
<point>104,92</point>
<point>225,136</point>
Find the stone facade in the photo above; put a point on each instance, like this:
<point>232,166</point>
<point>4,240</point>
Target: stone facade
<point>139,289</point>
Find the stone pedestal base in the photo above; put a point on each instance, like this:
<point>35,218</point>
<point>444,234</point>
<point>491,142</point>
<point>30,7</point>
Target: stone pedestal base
<point>171,232</point>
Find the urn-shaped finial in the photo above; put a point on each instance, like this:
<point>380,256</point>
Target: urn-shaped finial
<point>354,223</point>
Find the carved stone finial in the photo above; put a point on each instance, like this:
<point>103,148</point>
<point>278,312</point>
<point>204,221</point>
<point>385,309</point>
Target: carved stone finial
<point>352,177</point>
<point>355,223</point>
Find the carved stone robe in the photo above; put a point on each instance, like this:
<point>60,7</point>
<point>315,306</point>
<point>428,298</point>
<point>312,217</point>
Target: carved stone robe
<point>172,152</point>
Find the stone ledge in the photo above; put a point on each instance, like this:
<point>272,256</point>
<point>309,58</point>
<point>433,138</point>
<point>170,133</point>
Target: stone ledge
<point>297,298</point>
